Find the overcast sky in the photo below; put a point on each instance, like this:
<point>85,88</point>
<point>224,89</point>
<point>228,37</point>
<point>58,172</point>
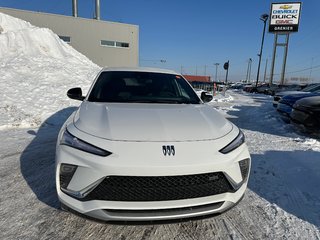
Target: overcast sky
<point>193,35</point>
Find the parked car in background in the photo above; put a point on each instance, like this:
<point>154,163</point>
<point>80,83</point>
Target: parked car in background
<point>237,85</point>
<point>306,111</point>
<point>260,89</point>
<point>309,89</point>
<point>272,89</point>
<point>285,105</point>
<point>247,87</point>
<point>143,146</point>
<point>275,89</point>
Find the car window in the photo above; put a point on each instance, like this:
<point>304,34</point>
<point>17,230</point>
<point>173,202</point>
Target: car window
<point>315,89</point>
<point>144,87</point>
<point>311,88</point>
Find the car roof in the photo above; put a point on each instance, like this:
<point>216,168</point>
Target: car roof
<point>138,69</point>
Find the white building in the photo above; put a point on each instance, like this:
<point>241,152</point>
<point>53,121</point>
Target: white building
<point>105,43</point>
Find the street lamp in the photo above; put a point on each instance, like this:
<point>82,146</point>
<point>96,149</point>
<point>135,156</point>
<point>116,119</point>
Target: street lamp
<point>264,18</point>
<point>248,76</point>
<point>216,64</point>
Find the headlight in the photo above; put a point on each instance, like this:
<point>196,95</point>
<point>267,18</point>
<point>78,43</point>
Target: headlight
<point>72,141</point>
<point>234,144</point>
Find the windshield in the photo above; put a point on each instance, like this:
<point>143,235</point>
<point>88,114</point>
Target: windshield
<point>142,87</point>
<point>311,88</point>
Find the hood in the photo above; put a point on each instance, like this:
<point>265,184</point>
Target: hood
<point>151,122</point>
<point>296,97</point>
<point>312,103</point>
<point>281,94</point>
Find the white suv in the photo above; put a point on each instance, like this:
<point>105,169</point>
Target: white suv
<point>143,146</point>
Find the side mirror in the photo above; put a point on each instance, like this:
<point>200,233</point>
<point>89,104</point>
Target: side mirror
<point>75,93</point>
<point>206,97</point>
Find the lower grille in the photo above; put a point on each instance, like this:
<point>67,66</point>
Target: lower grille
<point>160,188</point>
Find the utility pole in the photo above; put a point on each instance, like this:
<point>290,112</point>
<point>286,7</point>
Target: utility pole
<point>311,71</point>
<point>265,71</point>
<point>250,70</point>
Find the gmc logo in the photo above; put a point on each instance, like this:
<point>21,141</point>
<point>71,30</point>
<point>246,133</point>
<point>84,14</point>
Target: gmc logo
<point>168,150</point>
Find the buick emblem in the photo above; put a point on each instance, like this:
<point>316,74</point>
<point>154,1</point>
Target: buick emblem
<point>168,150</point>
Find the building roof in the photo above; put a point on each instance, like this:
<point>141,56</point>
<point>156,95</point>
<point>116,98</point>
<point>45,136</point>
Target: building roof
<point>193,78</point>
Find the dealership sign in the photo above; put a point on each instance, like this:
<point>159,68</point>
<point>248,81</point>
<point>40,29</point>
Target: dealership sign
<point>284,17</point>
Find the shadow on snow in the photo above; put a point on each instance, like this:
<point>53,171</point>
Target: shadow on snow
<point>290,179</point>
<point>37,162</point>
<point>252,118</point>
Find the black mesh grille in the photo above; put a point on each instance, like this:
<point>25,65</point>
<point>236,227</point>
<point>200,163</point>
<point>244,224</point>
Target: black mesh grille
<point>64,181</point>
<point>162,188</point>
<point>244,167</point>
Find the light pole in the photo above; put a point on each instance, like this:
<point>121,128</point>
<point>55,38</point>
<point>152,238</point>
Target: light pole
<point>265,71</point>
<point>264,18</point>
<point>248,76</point>
<point>216,64</point>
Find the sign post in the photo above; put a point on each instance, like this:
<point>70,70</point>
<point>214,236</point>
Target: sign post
<point>284,19</point>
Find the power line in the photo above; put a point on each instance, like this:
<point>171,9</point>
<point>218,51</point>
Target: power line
<point>305,69</point>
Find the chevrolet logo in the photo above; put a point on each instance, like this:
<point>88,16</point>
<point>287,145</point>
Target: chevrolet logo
<point>286,6</point>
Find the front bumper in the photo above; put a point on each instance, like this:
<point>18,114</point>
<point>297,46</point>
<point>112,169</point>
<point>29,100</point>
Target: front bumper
<point>284,109</point>
<point>309,120</point>
<point>157,211</point>
<point>134,161</point>
<point>275,101</point>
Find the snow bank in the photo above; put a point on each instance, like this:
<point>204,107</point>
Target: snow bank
<point>220,97</point>
<point>11,24</point>
<point>21,38</point>
<point>223,103</point>
<point>37,68</point>
<point>312,144</point>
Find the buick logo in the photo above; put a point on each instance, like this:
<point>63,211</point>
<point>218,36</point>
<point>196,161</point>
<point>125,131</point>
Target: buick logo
<point>168,150</point>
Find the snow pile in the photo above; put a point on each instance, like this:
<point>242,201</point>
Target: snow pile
<point>10,24</point>
<point>37,68</point>
<point>220,97</point>
<point>223,103</point>
<point>21,38</point>
<point>312,144</point>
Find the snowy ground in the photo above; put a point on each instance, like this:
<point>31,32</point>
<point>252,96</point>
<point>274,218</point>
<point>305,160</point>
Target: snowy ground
<point>282,202</point>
